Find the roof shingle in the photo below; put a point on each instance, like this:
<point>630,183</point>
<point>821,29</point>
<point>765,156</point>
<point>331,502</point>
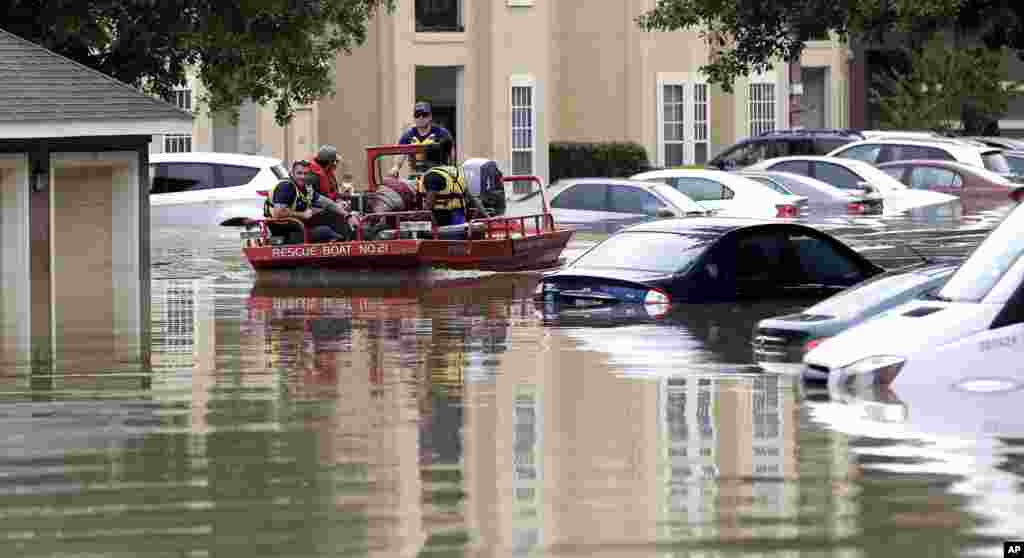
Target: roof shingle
<point>39,85</point>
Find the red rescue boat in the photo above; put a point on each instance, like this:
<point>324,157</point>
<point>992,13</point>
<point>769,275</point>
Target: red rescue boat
<point>410,239</point>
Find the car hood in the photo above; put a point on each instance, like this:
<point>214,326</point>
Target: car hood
<point>631,275</point>
<point>918,325</point>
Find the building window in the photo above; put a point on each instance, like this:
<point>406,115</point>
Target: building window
<point>177,143</point>
<point>522,129</point>
<point>701,135</point>
<point>438,16</point>
<point>675,125</point>
<point>762,108</point>
<point>183,99</point>
<point>684,136</point>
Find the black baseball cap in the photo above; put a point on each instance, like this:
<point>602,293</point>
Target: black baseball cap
<point>421,107</point>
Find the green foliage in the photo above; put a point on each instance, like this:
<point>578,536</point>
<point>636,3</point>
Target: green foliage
<point>945,88</point>
<point>605,159</point>
<point>749,35</point>
<point>276,52</point>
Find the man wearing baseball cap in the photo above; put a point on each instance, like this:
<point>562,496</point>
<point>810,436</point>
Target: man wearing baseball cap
<point>425,132</point>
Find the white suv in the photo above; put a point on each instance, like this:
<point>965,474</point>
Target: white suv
<point>206,188</point>
<point>883,150</point>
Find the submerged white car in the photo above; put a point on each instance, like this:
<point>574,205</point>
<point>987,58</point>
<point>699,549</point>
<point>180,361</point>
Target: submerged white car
<point>729,194</point>
<point>969,333</point>
<point>199,188</point>
<point>857,177</point>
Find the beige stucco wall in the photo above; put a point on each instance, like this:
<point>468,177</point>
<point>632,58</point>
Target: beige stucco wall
<point>594,71</point>
<point>94,322</point>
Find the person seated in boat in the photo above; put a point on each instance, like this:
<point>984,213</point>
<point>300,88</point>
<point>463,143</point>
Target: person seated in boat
<point>445,194</point>
<point>298,197</point>
<point>324,166</point>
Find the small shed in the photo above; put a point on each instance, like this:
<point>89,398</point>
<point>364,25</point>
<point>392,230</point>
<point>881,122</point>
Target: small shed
<point>74,209</point>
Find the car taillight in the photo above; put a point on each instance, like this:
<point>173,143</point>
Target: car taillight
<point>813,343</point>
<point>1017,195</point>
<point>855,208</point>
<point>787,211</point>
<point>656,296</point>
<point>263,193</point>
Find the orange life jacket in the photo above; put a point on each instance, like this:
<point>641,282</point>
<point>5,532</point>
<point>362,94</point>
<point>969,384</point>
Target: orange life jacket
<point>328,181</point>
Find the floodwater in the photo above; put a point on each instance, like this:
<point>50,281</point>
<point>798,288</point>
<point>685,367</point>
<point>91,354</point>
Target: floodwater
<point>438,414</point>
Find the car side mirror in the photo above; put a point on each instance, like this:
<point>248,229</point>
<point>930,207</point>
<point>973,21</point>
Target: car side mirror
<point>665,213</point>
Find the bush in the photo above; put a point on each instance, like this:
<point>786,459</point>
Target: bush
<point>606,159</point>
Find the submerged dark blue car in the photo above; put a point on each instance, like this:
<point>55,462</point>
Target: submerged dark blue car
<point>705,259</point>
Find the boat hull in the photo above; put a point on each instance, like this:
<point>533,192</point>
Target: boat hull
<point>504,254</point>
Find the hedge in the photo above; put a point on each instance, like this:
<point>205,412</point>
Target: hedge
<point>588,159</point>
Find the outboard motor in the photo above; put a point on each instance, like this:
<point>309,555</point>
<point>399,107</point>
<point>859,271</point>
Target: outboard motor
<point>483,179</point>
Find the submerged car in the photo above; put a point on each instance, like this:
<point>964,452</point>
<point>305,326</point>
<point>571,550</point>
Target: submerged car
<point>781,342</point>
<point>600,203</point>
<point>971,329</point>
<point>729,194</point>
<point>822,197</point>
<point>198,188</point>
<point>703,259</point>
<point>978,189</point>
<point>857,177</point>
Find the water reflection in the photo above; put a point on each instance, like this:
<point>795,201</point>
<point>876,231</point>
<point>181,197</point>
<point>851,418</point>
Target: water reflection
<point>441,414</point>
<point>968,462</point>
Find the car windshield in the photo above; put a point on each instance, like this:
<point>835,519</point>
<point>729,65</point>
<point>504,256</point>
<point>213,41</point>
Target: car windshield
<point>988,263</point>
<point>996,162</point>
<point>869,293</point>
<point>645,251</point>
<point>678,199</point>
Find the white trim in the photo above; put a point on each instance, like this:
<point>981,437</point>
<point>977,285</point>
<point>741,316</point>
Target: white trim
<point>688,81</point>
<point>15,272</point>
<point>519,3</point>
<point>528,81</point>
<point>1011,124</point>
<point>77,128</point>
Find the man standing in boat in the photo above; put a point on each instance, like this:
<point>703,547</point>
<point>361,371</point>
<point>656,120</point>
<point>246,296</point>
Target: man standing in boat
<point>299,198</point>
<point>425,133</point>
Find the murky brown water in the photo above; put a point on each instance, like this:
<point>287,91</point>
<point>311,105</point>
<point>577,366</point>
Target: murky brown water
<point>440,415</point>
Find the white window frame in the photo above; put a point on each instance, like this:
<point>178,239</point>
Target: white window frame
<point>183,98</point>
<point>172,141</point>
<point>530,83</point>
<point>756,121</point>
<point>692,132</point>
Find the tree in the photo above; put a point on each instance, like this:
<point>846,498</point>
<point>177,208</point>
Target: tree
<point>945,89</point>
<point>748,35</point>
<point>266,51</point>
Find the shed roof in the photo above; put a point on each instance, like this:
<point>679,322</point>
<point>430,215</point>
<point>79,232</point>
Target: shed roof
<point>46,95</point>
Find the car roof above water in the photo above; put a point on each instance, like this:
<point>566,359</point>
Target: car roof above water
<point>706,225</point>
<point>215,158</point>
